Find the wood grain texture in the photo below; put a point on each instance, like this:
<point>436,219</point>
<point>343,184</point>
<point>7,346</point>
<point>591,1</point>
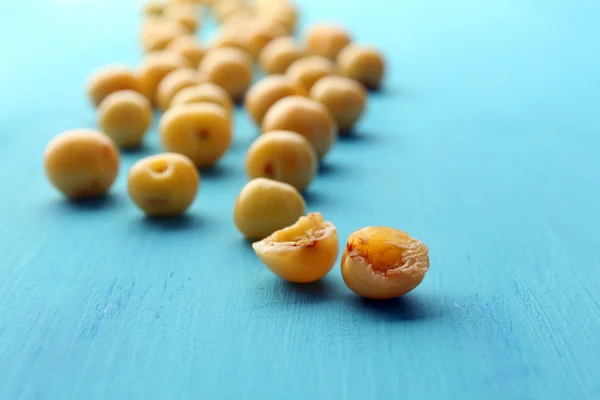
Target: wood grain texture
<point>484,144</point>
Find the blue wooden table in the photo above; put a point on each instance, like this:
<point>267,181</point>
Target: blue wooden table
<point>484,144</point>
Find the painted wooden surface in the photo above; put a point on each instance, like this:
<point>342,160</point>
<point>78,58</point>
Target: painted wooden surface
<point>484,144</point>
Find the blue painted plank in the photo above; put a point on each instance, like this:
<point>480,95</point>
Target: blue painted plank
<point>484,144</point>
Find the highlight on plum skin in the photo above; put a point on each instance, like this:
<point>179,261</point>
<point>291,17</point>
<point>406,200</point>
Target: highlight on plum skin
<point>125,116</point>
<point>204,93</point>
<point>163,185</point>
<point>383,263</point>
<point>345,99</point>
<point>81,163</point>
<point>305,116</point>
<point>303,252</point>
<point>230,68</point>
<point>279,54</point>
<point>200,131</point>
<point>264,206</point>
<point>189,47</point>
<point>362,63</point>
<point>110,79</point>
<point>155,66</point>
<point>327,39</point>
<point>284,156</point>
<point>173,83</point>
<point>267,92</point>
